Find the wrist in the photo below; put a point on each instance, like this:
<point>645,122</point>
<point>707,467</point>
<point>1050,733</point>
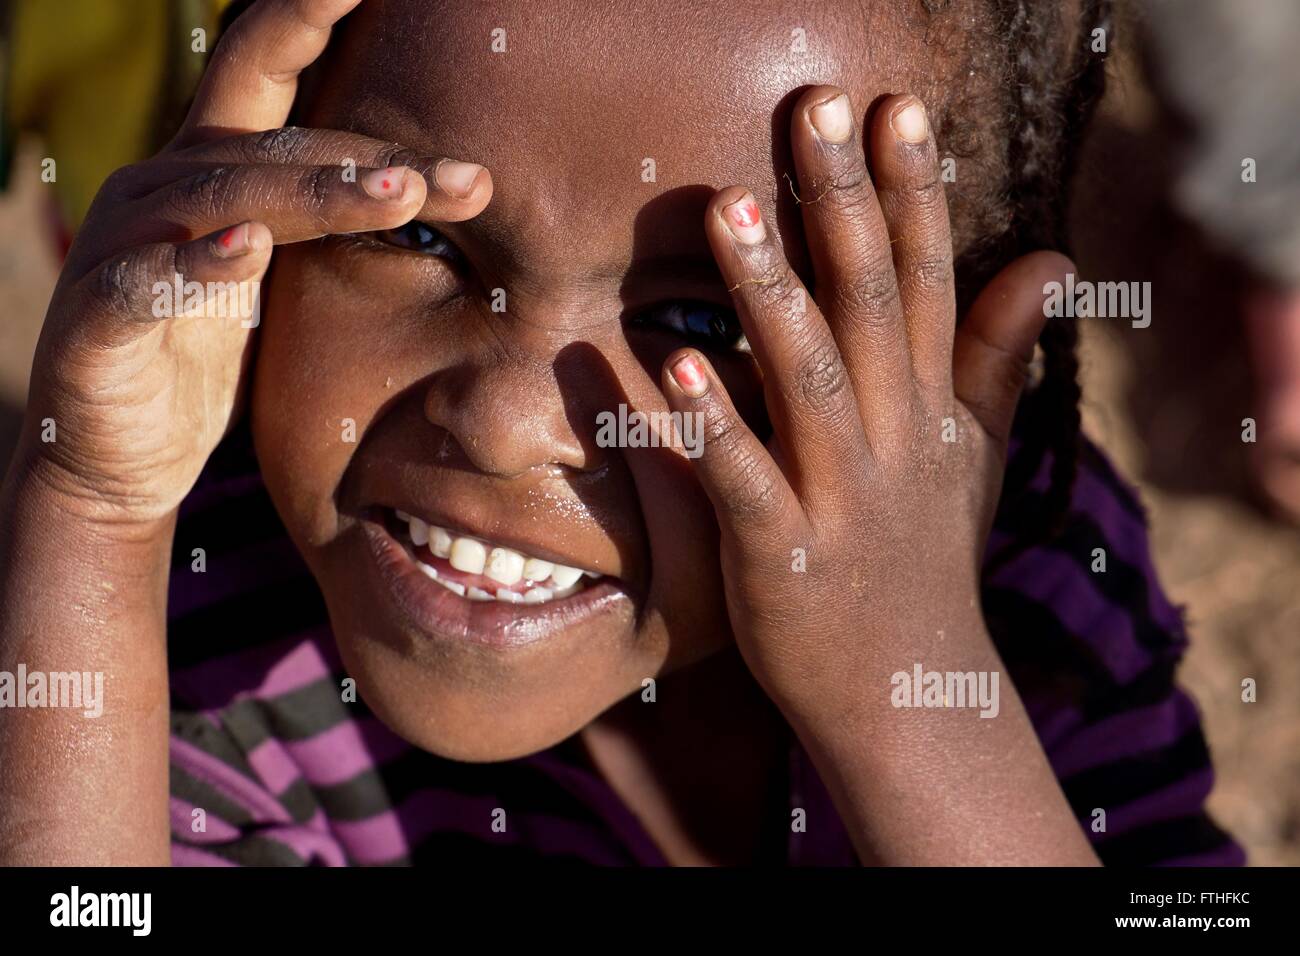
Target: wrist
<point>40,483</point>
<point>38,494</point>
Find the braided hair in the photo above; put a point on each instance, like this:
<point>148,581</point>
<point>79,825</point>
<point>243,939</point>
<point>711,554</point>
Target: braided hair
<point>1048,124</point>
<point>1048,81</point>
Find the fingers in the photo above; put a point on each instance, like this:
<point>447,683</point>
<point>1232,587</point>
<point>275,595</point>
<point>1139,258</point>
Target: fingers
<point>905,162</point>
<point>295,202</point>
<point>995,342</point>
<point>750,495</point>
<point>457,190</point>
<point>809,398</point>
<point>252,78</point>
<point>849,243</point>
<point>129,292</point>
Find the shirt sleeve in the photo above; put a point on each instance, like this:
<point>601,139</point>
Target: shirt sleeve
<point>225,813</point>
<point>1092,645</point>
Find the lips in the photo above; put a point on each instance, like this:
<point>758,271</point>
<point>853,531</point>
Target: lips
<point>441,614</point>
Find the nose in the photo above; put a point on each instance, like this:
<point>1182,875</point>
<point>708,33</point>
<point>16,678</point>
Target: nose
<point>535,403</point>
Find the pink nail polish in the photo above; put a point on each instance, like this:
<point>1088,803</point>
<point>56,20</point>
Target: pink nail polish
<point>689,375</point>
<point>233,242</point>
<point>745,221</point>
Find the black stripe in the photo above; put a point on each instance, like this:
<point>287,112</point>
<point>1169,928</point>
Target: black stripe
<point>1162,842</point>
<point>207,798</point>
<point>200,732</point>
<point>227,526</point>
<point>299,800</point>
<point>509,784</point>
<point>253,850</point>
<point>455,848</point>
<point>1041,653</point>
<point>1122,584</point>
<point>1122,781</point>
<point>297,715</point>
<point>243,621</point>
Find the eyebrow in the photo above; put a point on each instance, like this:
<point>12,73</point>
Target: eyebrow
<point>696,267</point>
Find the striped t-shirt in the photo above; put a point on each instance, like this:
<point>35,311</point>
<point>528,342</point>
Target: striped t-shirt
<point>270,766</point>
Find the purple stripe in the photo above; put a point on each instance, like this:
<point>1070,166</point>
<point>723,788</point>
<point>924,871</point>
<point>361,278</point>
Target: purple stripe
<point>182,818</point>
<point>266,670</point>
<point>1182,798</point>
<point>383,838</point>
<point>274,766</point>
<point>1126,541</point>
<point>312,847</point>
<point>345,751</point>
<point>1229,854</point>
<point>1129,734</point>
<point>1053,579</point>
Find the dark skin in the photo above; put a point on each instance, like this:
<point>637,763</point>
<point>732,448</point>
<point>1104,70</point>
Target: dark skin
<point>483,420</point>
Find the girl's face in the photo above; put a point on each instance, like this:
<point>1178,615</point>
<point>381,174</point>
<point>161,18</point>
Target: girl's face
<point>387,381</point>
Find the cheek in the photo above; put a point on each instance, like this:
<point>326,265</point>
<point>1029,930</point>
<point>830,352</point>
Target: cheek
<point>320,379</point>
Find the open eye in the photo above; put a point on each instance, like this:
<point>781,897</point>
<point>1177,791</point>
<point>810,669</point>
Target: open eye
<point>698,322</point>
<point>418,237</point>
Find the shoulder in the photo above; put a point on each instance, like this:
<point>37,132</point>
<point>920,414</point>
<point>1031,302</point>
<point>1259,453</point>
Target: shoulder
<point>1093,643</point>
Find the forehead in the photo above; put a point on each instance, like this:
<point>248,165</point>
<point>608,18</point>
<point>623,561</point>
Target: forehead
<point>587,112</point>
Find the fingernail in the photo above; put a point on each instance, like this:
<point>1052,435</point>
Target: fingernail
<point>832,119</point>
<point>909,122</point>
<point>744,220</point>
<point>689,375</point>
<point>233,242</point>
<point>456,178</point>
<point>387,183</point>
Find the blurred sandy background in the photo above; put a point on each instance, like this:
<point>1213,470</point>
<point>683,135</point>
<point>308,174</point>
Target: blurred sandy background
<point>1166,402</point>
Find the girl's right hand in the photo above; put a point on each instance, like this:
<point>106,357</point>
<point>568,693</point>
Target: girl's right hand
<point>138,389</point>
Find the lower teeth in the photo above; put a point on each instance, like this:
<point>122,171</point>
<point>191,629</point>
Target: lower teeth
<point>534,595</point>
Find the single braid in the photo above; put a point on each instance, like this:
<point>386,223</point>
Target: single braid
<point>1049,121</point>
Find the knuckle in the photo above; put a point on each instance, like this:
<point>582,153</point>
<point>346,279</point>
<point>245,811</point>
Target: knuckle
<point>820,377</point>
<point>873,292</point>
<point>315,187</point>
<point>924,193</point>
<point>396,155</point>
<point>931,273</point>
<point>749,486</point>
<point>848,188</point>
<point>777,287</point>
<point>753,495</point>
<point>279,146</point>
<point>204,195</point>
<point>122,284</point>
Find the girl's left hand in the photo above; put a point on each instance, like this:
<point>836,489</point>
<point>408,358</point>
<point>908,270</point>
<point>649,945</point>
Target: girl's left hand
<point>851,543</point>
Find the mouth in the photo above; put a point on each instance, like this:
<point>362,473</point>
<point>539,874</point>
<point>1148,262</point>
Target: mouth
<point>479,570</point>
<point>451,584</point>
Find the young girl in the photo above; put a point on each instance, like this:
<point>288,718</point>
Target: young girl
<point>488,635</point>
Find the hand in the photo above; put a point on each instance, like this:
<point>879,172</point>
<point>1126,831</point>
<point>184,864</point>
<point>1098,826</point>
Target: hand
<point>141,387</point>
<point>890,423</point>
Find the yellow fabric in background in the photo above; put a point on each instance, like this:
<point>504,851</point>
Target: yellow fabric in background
<point>90,76</point>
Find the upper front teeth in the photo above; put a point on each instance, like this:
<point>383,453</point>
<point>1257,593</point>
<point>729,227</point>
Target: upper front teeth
<point>468,555</point>
<point>503,565</point>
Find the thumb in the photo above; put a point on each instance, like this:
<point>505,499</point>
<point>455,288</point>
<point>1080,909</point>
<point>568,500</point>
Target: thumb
<point>995,342</point>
